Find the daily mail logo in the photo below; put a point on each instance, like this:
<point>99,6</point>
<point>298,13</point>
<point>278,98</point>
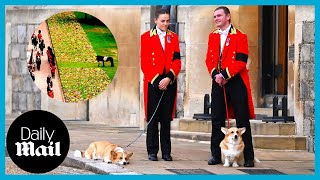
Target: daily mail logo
<point>28,148</point>
<point>39,138</point>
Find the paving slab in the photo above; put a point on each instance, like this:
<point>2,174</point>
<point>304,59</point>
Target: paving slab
<point>186,154</point>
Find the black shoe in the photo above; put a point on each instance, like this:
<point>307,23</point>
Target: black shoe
<point>248,164</point>
<point>214,160</point>
<point>167,157</point>
<point>153,157</point>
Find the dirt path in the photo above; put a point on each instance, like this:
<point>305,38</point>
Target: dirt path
<point>41,76</point>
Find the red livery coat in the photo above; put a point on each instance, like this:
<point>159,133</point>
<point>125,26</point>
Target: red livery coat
<point>154,59</point>
<point>233,61</point>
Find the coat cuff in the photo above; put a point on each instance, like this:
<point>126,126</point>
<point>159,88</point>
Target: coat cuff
<point>214,72</point>
<point>226,74</point>
<point>171,75</point>
<point>156,80</point>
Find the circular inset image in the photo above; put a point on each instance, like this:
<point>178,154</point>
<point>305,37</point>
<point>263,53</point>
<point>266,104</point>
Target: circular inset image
<point>72,57</point>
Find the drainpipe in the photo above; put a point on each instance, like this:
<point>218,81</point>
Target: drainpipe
<point>174,19</point>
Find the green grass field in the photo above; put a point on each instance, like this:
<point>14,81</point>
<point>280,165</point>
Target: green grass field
<point>101,40</point>
<point>76,42</point>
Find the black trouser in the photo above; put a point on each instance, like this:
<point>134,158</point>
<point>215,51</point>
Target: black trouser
<point>236,95</point>
<point>163,115</point>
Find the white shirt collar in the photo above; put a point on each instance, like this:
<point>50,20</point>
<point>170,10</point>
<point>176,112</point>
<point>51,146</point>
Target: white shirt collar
<point>160,32</point>
<point>226,31</point>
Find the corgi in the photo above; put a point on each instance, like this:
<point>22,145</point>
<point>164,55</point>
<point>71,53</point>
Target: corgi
<point>232,147</point>
<point>104,59</point>
<point>108,152</point>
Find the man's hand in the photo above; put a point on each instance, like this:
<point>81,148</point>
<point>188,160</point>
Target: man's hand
<point>223,82</point>
<point>219,79</point>
<point>164,83</point>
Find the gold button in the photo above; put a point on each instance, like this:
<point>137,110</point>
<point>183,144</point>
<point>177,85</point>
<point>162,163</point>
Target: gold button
<point>153,59</point>
<point>234,52</point>
<point>153,64</point>
<point>152,53</point>
<point>210,50</point>
<point>211,55</point>
<point>232,57</point>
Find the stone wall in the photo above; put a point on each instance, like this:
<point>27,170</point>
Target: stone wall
<point>182,75</point>
<point>304,74</point>
<point>21,93</point>
<point>306,81</point>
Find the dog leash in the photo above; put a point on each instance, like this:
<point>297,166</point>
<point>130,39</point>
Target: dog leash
<point>225,101</point>
<point>149,121</point>
<point>224,89</point>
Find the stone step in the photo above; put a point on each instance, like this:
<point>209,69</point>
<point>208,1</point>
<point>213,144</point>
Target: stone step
<point>264,111</point>
<point>283,142</point>
<point>257,127</point>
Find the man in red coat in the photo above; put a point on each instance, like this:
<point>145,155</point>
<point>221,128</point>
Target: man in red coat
<point>226,61</point>
<point>160,64</point>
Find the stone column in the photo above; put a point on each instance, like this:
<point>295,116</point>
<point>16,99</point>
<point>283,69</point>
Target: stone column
<point>304,74</point>
<point>144,26</point>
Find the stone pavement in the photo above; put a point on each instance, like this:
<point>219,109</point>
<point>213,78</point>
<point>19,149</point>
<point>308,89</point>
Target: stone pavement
<point>11,168</point>
<point>189,156</point>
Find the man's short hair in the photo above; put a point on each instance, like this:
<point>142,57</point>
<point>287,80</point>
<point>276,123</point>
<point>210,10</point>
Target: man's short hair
<point>225,10</point>
<point>161,11</point>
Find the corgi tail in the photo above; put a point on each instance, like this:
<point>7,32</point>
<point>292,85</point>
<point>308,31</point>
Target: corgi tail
<point>256,160</point>
<point>78,154</point>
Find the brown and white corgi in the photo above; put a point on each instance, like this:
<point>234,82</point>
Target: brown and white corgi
<point>232,147</point>
<point>108,152</point>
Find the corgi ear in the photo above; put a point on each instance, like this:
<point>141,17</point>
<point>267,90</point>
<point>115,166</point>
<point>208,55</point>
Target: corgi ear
<point>129,155</point>
<point>113,154</point>
<point>224,130</point>
<point>242,130</point>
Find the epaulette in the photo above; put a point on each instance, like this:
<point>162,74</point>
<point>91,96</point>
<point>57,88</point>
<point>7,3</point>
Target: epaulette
<point>233,30</point>
<point>169,32</point>
<point>153,32</point>
<point>216,31</point>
